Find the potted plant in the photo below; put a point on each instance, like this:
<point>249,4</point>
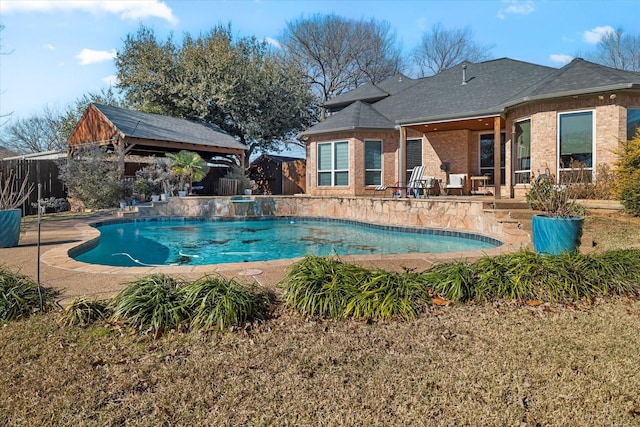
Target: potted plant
<point>245,185</point>
<point>12,195</point>
<point>188,167</point>
<point>559,228</point>
<point>151,179</point>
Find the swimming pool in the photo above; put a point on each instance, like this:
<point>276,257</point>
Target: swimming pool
<point>152,242</point>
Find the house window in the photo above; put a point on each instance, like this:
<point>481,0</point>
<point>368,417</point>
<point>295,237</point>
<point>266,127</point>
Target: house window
<point>633,122</point>
<point>372,162</point>
<point>414,156</point>
<point>522,149</point>
<point>575,140</point>
<point>487,162</point>
<point>333,164</point>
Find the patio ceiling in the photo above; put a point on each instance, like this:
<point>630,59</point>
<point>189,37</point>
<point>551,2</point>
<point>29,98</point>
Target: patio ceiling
<point>476,124</point>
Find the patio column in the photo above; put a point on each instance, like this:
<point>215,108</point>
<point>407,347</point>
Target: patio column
<point>497,158</point>
<point>402,157</point>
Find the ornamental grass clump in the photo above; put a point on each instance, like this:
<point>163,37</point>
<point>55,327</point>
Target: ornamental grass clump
<point>20,296</point>
<point>151,303</point>
<point>322,286</point>
<point>329,288</point>
<point>219,303</point>
<point>386,295</point>
<point>84,312</point>
<point>527,275</point>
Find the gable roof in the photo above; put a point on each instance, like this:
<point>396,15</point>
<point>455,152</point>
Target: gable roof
<point>278,159</point>
<point>358,115</point>
<point>487,85</point>
<point>371,92</point>
<point>136,124</point>
<point>577,78</point>
<point>475,90</point>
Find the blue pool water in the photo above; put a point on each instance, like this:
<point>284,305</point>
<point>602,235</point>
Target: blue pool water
<point>200,242</point>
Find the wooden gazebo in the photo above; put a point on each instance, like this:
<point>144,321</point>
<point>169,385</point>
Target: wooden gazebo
<point>129,132</point>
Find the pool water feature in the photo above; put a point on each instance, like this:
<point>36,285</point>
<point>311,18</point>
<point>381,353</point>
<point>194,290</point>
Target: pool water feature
<point>154,242</point>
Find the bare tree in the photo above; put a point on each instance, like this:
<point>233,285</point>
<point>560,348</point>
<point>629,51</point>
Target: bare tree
<point>340,54</point>
<point>618,50</point>
<point>441,49</point>
<point>50,129</point>
<point>34,134</point>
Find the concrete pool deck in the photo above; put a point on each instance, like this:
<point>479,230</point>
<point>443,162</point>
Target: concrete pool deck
<point>60,233</point>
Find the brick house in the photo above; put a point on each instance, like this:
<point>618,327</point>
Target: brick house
<point>502,119</point>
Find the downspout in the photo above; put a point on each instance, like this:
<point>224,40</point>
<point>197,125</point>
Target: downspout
<point>402,156</point>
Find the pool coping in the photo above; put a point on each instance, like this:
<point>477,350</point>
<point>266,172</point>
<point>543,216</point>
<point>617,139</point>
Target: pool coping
<point>59,256</point>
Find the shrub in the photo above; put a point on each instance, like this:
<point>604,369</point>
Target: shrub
<point>627,172</point>
<point>151,303</point>
<point>20,297</point>
<point>92,176</point>
<point>83,312</point>
<point>55,204</point>
<point>218,303</point>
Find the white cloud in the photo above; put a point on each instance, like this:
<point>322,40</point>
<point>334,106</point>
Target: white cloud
<point>90,56</point>
<point>595,35</point>
<point>561,58</point>
<point>110,80</point>
<point>131,9</point>
<point>49,46</point>
<point>516,7</point>
<point>273,42</point>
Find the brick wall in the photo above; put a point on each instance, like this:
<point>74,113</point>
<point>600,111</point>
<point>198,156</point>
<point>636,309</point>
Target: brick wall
<point>460,148</point>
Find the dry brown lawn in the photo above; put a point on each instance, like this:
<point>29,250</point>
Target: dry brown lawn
<point>496,364</point>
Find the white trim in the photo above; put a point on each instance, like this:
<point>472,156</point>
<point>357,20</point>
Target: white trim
<point>333,169</point>
<point>381,162</point>
<point>593,141</point>
<point>514,155</point>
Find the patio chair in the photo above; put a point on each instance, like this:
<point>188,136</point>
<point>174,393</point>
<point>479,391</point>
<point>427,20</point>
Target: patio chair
<point>456,182</point>
<point>415,182</point>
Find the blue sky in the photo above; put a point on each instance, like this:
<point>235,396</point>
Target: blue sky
<point>57,50</point>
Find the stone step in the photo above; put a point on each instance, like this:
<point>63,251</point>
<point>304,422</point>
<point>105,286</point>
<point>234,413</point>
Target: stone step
<point>507,205</point>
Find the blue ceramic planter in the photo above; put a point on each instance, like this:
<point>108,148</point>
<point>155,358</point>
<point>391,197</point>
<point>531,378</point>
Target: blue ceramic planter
<point>555,235</point>
<point>9,227</point>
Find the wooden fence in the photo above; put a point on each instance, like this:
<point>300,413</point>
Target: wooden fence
<point>43,172</point>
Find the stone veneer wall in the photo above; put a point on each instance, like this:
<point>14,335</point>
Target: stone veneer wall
<point>461,215</point>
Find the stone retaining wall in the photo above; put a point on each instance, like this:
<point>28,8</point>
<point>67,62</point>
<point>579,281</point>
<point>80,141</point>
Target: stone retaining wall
<point>452,214</point>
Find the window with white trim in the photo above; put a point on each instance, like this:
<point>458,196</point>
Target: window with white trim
<point>576,132</point>
<point>522,152</point>
<point>372,162</point>
<point>333,164</point>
